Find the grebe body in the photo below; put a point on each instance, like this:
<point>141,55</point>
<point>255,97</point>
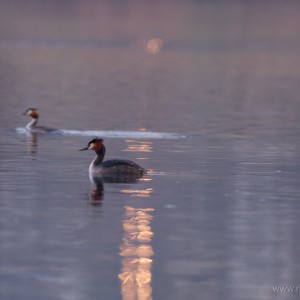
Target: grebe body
<point>113,167</point>
<point>32,125</point>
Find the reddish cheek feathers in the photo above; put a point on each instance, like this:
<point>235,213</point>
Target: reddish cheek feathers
<point>34,114</point>
<point>97,146</point>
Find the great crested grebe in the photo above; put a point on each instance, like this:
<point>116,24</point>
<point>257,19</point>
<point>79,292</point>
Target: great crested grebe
<point>112,167</point>
<point>31,126</point>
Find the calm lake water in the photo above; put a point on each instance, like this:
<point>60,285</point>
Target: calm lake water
<point>218,215</point>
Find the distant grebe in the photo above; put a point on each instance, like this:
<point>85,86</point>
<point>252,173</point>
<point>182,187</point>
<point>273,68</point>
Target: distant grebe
<point>112,167</point>
<point>31,126</point>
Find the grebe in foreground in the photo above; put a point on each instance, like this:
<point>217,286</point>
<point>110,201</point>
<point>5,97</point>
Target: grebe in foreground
<point>31,126</point>
<point>113,167</point>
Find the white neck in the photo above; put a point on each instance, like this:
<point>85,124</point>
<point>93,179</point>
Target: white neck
<point>92,165</point>
<point>31,124</point>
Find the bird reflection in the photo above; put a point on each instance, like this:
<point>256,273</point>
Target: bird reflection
<point>136,252</point>
<point>32,143</point>
<point>97,194</point>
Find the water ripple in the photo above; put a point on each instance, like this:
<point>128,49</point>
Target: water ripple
<point>113,133</point>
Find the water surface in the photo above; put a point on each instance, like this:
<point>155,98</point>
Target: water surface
<point>218,215</point>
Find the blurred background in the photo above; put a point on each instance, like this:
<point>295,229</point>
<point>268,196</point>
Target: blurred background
<point>218,215</point>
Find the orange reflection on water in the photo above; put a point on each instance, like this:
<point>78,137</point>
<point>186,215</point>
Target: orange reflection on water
<point>145,179</point>
<point>138,193</point>
<point>136,252</point>
<point>153,46</point>
<point>136,146</point>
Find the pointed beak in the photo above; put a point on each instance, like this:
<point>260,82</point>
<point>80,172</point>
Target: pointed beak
<point>85,148</point>
<point>24,113</point>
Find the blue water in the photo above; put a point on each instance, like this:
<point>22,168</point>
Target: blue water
<point>204,95</point>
